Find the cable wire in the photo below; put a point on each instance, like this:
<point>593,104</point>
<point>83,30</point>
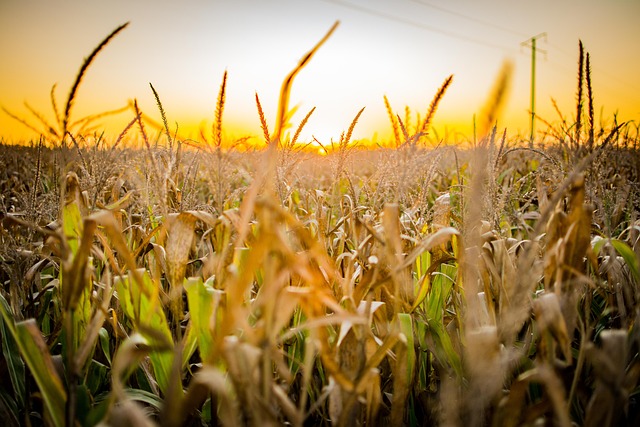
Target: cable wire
<point>404,21</point>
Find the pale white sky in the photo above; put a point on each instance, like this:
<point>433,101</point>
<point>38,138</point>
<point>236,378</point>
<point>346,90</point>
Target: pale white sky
<point>403,49</point>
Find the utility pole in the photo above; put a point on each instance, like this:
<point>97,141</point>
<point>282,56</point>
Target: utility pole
<point>532,44</point>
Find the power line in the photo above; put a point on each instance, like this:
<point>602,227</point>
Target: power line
<point>469,18</point>
<point>404,21</point>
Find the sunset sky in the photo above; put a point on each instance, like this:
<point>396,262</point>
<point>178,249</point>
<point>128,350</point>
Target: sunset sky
<point>403,49</point>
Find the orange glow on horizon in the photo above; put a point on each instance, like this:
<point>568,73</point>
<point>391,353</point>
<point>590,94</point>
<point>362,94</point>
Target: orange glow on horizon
<point>401,49</point>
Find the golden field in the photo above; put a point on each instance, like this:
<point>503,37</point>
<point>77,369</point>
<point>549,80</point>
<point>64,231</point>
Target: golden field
<point>154,280</point>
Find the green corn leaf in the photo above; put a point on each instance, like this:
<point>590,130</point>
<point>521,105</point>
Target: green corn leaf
<point>76,287</point>
<point>202,301</point>
<point>104,344</point>
<point>141,344</point>
<point>421,286</point>
<point>36,355</point>
<point>74,283</point>
<point>9,409</point>
<point>102,405</point>
<point>441,286</point>
<point>623,249</point>
<point>161,360</point>
<point>444,350</point>
<point>295,351</point>
<point>144,397</point>
<point>628,255</point>
<point>406,327</point>
<point>423,262</point>
<point>11,353</point>
<point>422,356</point>
<point>97,376</point>
<point>189,345</point>
<point>83,404</point>
<point>72,225</point>
<point>98,412</point>
<point>140,302</point>
<point>597,243</point>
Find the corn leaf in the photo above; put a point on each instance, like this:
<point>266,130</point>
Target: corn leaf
<point>36,355</point>
<point>203,301</point>
<point>11,353</point>
<point>442,284</point>
<point>72,224</point>
<point>406,327</point>
<point>104,344</point>
<point>141,303</point>
<point>189,345</point>
<point>629,257</point>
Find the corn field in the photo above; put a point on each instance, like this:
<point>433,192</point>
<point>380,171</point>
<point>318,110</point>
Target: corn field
<point>149,280</point>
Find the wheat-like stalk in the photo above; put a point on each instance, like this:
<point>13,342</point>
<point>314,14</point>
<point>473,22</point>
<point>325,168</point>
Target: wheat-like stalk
<point>300,127</point>
<point>50,129</point>
<point>217,123</point>
<point>124,132</point>
<point>217,142</point>
<point>21,120</point>
<point>403,129</point>
<point>407,117</point>
<point>496,98</point>
<point>579,96</point>
<point>36,181</point>
<point>502,145</point>
<point>263,121</point>
<point>424,127</point>
<point>84,122</point>
<point>590,101</point>
<point>80,75</point>
<point>347,138</point>
<point>141,124</point>
<point>394,121</point>
<point>163,115</point>
<point>79,150</point>
<point>54,104</point>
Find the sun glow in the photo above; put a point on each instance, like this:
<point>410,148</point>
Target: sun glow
<point>403,51</point>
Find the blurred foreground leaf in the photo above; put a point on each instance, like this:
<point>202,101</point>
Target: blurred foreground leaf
<point>35,353</point>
